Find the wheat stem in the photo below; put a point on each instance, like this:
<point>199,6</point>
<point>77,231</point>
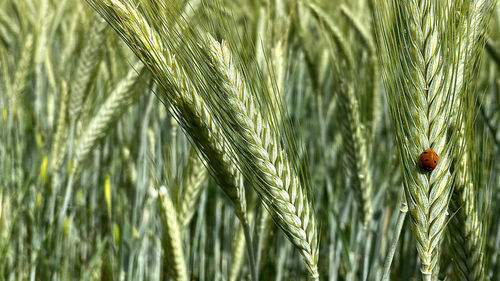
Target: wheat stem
<point>392,250</point>
<point>241,239</point>
<point>237,249</point>
<point>263,230</point>
<point>171,242</point>
<point>250,252</point>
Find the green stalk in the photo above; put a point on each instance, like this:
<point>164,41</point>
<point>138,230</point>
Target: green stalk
<point>390,255</point>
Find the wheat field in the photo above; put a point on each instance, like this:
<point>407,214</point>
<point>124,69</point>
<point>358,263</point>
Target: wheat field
<point>215,140</point>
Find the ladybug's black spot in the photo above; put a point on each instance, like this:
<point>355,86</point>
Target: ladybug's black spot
<point>426,168</point>
<point>426,160</point>
<point>434,161</point>
<point>425,152</point>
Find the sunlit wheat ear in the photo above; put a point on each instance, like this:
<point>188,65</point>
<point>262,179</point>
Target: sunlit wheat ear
<point>115,105</point>
<point>213,145</point>
<point>281,187</point>
<point>173,251</point>
<point>184,101</point>
<point>193,181</point>
<point>416,60</point>
<point>356,154</point>
<point>266,163</point>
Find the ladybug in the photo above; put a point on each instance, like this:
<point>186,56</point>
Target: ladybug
<point>428,160</point>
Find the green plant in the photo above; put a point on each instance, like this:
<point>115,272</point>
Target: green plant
<point>249,140</point>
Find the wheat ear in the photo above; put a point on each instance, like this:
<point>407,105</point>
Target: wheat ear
<point>112,109</point>
<point>89,59</point>
<point>420,102</point>
<point>466,231</point>
<point>115,105</point>
<point>193,182</point>
<point>356,153</point>
<point>21,75</point>
<point>276,180</point>
<point>185,103</point>
<point>57,156</point>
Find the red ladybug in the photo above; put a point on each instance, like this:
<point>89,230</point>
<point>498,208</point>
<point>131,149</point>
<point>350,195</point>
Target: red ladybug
<point>428,160</point>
